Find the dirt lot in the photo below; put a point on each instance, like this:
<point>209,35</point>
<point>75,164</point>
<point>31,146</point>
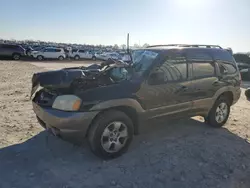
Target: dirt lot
<point>182,153</point>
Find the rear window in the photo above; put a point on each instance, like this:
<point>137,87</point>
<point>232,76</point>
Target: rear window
<point>227,68</point>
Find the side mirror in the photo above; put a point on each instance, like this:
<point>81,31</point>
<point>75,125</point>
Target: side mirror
<point>156,78</point>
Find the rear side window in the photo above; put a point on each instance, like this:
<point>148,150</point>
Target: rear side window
<point>58,50</point>
<point>226,68</point>
<point>203,70</point>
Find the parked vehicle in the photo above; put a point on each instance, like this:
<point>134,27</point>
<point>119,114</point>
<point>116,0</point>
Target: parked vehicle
<point>108,55</point>
<point>49,53</point>
<point>82,54</point>
<point>12,50</point>
<point>108,103</point>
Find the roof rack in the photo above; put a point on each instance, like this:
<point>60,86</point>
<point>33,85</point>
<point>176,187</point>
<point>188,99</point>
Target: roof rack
<point>188,45</point>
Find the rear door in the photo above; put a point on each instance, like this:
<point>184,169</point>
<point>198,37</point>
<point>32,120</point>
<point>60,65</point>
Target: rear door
<point>203,77</point>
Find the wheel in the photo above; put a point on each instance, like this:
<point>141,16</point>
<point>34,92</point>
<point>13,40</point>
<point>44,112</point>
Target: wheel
<point>110,134</point>
<point>40,58</point>
<point>60,58</point>
<point>94,58</point>
<point>16,56</point>
<point>219,113</point>
<point>77,57</point>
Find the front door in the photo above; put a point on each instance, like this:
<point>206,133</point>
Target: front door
<point>167,90</point>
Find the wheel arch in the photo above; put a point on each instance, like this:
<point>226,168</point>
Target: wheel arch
<point>130,107</point>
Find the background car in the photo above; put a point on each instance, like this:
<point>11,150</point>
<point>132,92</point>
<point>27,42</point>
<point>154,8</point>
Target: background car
<point>49,53</point>
<point>109,55</point>
<point>12,50</point>
<point>82,54</point>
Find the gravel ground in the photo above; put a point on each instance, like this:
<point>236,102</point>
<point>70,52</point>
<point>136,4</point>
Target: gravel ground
<point>182,153</point>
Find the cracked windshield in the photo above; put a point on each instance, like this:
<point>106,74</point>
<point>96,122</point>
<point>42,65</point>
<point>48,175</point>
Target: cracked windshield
<point>126,94</point>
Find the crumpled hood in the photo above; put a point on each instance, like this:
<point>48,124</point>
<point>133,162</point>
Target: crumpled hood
<point>55,79</point>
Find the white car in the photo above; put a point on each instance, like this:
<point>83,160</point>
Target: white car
<point>109,55</point>
<point>82,54</point>
<point>49,53</point>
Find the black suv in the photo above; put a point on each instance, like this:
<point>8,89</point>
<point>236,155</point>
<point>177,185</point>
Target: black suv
<point>107,103</point>
<point>12,50</point>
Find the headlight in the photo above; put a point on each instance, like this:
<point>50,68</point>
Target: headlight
<point>67,103</point>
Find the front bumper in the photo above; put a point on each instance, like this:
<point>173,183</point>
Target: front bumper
<point>72,126</point>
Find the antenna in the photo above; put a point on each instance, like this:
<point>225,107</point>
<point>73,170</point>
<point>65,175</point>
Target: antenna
<point>128,42</point>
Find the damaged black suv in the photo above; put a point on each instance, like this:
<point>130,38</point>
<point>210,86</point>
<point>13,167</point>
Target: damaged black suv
<point>107,102</point>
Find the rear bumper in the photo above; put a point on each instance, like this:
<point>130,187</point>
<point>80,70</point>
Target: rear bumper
<point>72,126</point>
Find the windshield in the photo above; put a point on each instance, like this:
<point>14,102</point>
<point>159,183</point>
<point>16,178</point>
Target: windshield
<point>143,59</point>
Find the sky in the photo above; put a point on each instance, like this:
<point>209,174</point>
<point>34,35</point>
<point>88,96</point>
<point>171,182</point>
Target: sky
<point>222,22</point>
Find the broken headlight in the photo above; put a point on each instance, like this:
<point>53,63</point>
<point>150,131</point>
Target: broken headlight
<point>67,103</point>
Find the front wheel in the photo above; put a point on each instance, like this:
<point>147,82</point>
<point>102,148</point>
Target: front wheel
<point>60,58</point>
<point>16,56</point>
<point>40,58</point>
<point>111,134</point>
<point>94,58</point>
<point>219,113</point>
<point>77,57</point>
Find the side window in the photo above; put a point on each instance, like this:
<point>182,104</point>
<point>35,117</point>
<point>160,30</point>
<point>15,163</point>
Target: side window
<point>58,50</point>
<point>81,51</point>
<point>203,69</point>
<point>226,68</point>
<point>173,69</point>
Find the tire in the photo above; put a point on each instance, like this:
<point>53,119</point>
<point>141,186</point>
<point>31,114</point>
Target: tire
<point>77,57</point>
<point>16,56</point>
<point>102,135</point>
<point>94,58</point>
<point>219,113</point>
<point>40,58</point>
<point>61,58</point>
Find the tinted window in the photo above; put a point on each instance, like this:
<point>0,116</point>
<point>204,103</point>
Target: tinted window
<point>174,68</point>
<point>58,50</point>
<point>195,55</point>
<point>74,50</point>
<point>203,69</point>
<point>81,51</point>
<point>226,68</point>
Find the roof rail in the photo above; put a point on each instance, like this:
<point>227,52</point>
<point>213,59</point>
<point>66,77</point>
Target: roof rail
<point>188,45</point>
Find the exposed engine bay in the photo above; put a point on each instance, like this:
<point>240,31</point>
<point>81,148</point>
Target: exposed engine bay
<point>76,78</point>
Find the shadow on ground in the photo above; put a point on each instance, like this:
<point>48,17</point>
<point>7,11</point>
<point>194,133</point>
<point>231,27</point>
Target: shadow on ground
<point>184,153</point>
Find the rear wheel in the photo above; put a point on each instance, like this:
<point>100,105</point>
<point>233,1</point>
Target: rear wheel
<point>219,113</point>
<point>111,134</point>
<point>40,58</point>
<point>16,56</point>
<point>60,58</point>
